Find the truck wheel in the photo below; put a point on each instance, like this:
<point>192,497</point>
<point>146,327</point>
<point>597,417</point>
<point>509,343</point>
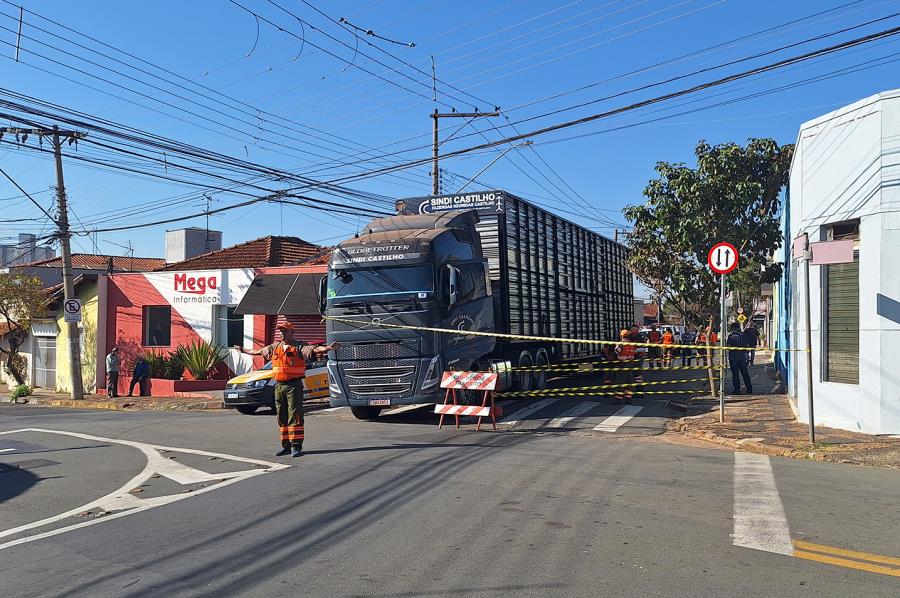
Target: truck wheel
<point>524,375</point>
<point>365,413</point>
<point>246,409</point>
<point>540,375</point>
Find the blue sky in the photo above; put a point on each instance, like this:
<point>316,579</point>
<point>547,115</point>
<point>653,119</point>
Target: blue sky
<point>302,106</point>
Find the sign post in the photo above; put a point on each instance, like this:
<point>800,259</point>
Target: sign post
<point>722,259</point>
<point>72,310</point>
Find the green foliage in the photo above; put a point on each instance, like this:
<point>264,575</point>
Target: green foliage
<point>22,300</point>
<point>164,366</point>
<point>732,195</point>
<point>200,358</point>
<point>22,390</point>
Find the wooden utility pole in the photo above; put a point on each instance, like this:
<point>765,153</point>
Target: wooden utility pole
<point>435,172</point>
<point>63,234</point>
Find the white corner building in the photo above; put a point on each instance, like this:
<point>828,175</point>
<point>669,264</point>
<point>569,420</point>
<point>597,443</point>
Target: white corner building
<point>845,184</point>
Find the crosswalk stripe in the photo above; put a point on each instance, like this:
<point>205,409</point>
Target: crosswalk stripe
<point>576,411</point>
<point>618,419</point>
<point>514,418</point>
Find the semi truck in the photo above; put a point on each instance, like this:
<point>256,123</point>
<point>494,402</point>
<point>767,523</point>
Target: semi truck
<point>487,262</point>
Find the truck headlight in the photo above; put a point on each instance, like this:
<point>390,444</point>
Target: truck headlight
<point>333,386</point>
<point>432,374</point>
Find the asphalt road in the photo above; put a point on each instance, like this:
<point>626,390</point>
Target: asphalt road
<point>400,508</point>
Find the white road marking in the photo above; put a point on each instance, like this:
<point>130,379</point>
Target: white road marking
<point>330,409</point>
<point>618,419</point>
<point>7,450</point>
<point>120,502</point>
<point>515,417</point>
<point>576,411</point>
<point>759,519</point>
<point>406,408</point>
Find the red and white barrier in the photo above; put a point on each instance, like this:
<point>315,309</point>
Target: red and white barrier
<point>469,380</point>
<point>485,382</point>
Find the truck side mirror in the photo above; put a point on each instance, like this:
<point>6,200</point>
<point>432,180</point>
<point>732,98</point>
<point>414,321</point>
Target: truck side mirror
<point>323,294</point>
<point>454,284</point>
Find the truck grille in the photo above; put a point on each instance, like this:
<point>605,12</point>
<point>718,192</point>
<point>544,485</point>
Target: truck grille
<point>379,350</point>
<point>365,379</point>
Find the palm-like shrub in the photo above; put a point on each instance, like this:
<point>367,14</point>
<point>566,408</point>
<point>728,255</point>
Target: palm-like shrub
<point>200,358</point>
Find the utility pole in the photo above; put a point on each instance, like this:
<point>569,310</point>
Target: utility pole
<point>62,232</point>
<point>435,173</point>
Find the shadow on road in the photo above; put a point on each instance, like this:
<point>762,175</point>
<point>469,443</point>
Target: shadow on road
<point>15,481</point>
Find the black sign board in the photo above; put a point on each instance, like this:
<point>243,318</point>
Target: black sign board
<point>363,255</point>
<point>492,202</point>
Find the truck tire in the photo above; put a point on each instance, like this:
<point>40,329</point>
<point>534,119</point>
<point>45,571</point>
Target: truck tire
<point>540,376</point>
<point>246,409</point>
<point>524,376</point>
<point>365,413</point>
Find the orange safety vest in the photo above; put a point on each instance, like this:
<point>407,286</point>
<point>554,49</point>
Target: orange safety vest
<point>287,363</point>
<point>654,336</point>
<point>626,352</point>
<point>668,339</point>
<point>713,339</point>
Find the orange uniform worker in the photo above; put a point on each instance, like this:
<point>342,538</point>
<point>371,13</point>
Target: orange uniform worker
<point>625,352</point>
<point>288,368</point>
<point>655,352</point>
<point>668,339</point>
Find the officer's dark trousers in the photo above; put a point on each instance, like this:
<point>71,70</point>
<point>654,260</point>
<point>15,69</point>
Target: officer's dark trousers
<point>739,370</point>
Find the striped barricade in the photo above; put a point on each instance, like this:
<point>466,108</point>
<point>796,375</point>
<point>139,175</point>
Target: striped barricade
<point>485,382</point>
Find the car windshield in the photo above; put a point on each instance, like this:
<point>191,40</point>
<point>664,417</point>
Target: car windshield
<point>381,281</point>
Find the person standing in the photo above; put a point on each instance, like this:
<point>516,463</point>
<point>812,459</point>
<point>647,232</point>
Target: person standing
<point>113,365</point>
<point>688,337</point>
<point>288,358</point>
<point>737,359</point>
<point>140,377</point>
<point>668,340</point>
<point>625,379</point>
<point>752,335</point>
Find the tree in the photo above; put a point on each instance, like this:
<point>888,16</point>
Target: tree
<point>732,195</point>
<point>22,300</point>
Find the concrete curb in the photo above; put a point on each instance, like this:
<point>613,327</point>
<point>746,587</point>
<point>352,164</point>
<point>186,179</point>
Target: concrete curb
<point>141,405</point>
<point>751,445</point>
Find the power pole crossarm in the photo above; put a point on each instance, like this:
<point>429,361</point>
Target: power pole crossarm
<point>436,116</point>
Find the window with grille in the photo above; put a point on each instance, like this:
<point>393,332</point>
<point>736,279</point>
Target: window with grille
<point>841,311</point>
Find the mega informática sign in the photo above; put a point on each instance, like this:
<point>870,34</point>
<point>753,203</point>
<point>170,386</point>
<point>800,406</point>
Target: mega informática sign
<point>484,201</point>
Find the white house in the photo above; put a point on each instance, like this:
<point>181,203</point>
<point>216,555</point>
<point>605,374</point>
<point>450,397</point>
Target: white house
<point>845,184</point>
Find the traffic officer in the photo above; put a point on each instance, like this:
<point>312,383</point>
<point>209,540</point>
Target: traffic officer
<point>288,358</point>
<point>625,353</point>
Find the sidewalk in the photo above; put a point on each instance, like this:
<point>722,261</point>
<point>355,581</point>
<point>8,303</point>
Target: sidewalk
<point>766,424</point>
<point>42,396</point>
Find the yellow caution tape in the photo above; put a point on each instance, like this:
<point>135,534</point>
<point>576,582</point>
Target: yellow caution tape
<point>624,385</point>
<point>551,339</point>
<point>601,369</point>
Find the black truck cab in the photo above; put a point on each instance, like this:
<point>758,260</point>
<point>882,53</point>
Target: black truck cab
<point>385,288</point>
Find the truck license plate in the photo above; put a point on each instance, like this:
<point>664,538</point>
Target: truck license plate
<point>231,395</point>
<point>380,402</point>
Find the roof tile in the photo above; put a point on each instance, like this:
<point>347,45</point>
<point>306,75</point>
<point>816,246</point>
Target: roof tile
<point>89,261</point>
<point>259,253</point>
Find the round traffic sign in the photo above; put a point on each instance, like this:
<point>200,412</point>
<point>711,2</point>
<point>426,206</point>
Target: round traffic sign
<point>722,258</point>
<point>72,306</point>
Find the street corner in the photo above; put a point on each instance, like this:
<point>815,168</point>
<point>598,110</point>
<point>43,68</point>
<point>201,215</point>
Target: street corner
<point>55,481</point>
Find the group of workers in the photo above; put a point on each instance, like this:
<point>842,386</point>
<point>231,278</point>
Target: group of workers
<point>626,362</point>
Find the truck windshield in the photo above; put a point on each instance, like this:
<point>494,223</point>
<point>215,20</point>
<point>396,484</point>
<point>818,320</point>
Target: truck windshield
<point>380,281</point>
